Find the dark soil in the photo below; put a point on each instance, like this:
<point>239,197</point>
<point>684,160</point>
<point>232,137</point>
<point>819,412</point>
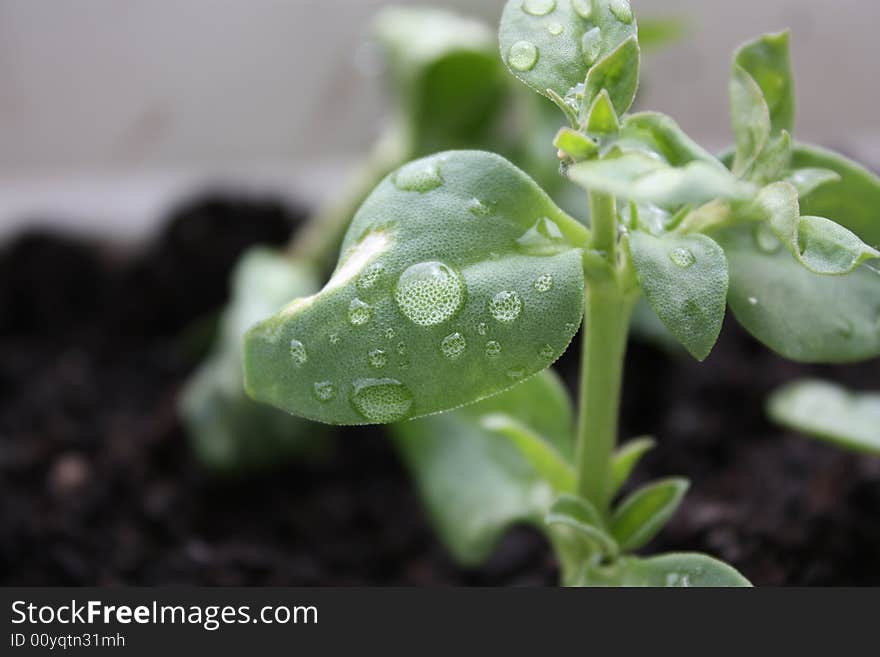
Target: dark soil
<point>98,486</point>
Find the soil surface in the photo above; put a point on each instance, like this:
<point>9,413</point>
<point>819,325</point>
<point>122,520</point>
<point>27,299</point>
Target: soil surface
<point>98,485</point>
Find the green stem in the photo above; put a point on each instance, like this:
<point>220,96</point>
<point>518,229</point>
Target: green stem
<point>606,328</point>
<point>318,241</point>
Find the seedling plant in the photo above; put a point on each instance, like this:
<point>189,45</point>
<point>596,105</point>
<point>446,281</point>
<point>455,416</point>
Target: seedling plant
<point>460,282</point>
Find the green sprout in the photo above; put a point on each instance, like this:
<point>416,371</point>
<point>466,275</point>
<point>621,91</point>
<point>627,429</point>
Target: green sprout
<point>460,282</point>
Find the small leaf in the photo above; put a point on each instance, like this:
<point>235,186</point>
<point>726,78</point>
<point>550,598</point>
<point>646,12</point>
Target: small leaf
<point>229,431</point>
<point>768,61</point>
<point>450,267</point>
<point>774,160</point>
<point>535,449</point>
<point>660,134</point>
<point>644,513</point>
<point>655,33</point>
<point>618,75</point>
<point>852,202</point>
<point>601,118</point>
<point>475,483</point>
<point>625,460</point>
<point>829,412</point>
<point>804,316</point>
<point>685,280</point>
<point>555,62</point>
<point>645,179</point>
<point>582,522</point>
<point>668,570</point>
<point>575,144</point>
<point>808,180</point>
<point>751,119</point>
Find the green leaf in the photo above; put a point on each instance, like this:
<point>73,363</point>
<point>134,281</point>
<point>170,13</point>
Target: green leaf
<point>618,75</point>
<point>536,449</point>
<point>625,460</point>
<point>601,118</point>
<point>808,180</point>
<point>804,316</point>
<point>853,201</point>
<point>774,161</point>
<point>551,45</point>
<point>644,513</point>
<point>767,60</point>
<point>575,144</point>
<point>820,245</point>
<point>448,274</point>
<point>644,179</point>
<point>668,570</point>
<point>831,413</point>
<point>228,431</point>
<point>684,278</point>
<point>751,119</point>
<point>661,135</point>
<point>575,520</point>
<point>476,483</point>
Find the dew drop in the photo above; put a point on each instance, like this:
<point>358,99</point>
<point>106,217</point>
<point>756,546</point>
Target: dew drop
<point>505,306</point>
<point>420,176</point>
<point>555,29</point>
<point>523,56</point>
<point>516,373</point>
<point>298,353</point>
<point>453,345</point>
<point>377,358</point>
<point>325,391</point>
<point>538,7</point>
<point>591,45</point>
<point>478,208</point>
<point>334,338</point>
<point>403,363</point>
<point>682,257</point>
<point>584,8</point>
<point>543,238</point>
<point>482,328</point>
<point>389,333</point>
<point>401,348</point>
<point>622,10</point>
<point>571,327</point>
<point>546,352</point>
<point>429,293</point>
<point>753,301</point>
<point>371,276</point>
<point>544,283</point>
<point>359,313</point>
<point>493,348</point>
<point>381,400</point>
<point>766,240</point>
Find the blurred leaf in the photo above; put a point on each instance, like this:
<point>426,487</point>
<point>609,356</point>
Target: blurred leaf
<point>831,413</point>
<point>625,460</point>
<point>456,260</point>
<point>684,278</point>
<point>668,570</point>
<point>575,520</point>
<point>751,119</point>
<point>660,134</point>
<point>808,180</point>
<point>655,33</point>
<point>476,483</point>
<point>644,513</point>
<point>767,60</point>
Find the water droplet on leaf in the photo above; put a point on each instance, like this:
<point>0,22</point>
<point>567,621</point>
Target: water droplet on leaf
<point>584,8</point>
<point>401,348</point>
<point>421,176</point>
<point>478,208</point>
<point>505,306</point>
<point>753,301</point>
<point>682,257</point>
<point>555,29</point>
<point>359,313</point>
<point>493,348</point>
<point>546,352</point>
<point>370,276</point>
<point>571,327</point>
<point>377,358</point>
<point>389,333</point>
<point>298,353</point>
<point>591,45</point>
<point>482,328</point>
<point>538,7</point>
<point>381,400</point>
<point>523,56</point>
<point>325,391</point>
<point>334,338</point>
<point>544,283</point>
<point>429,293</point>
<point>622,10</point>
<point>543,238</point>
<point>453,345</point>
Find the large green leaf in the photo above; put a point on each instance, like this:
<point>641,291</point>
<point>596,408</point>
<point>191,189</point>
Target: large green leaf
<point>229,431</point>
<point>475,482</point>
<point>853,201</point>
<point>448,275</point>
<point>768,61</point>
<point>684,278</point>
<point>667,570</point>
<point>804,316</point>
<point>551,45</point>
<point>831,413</point>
